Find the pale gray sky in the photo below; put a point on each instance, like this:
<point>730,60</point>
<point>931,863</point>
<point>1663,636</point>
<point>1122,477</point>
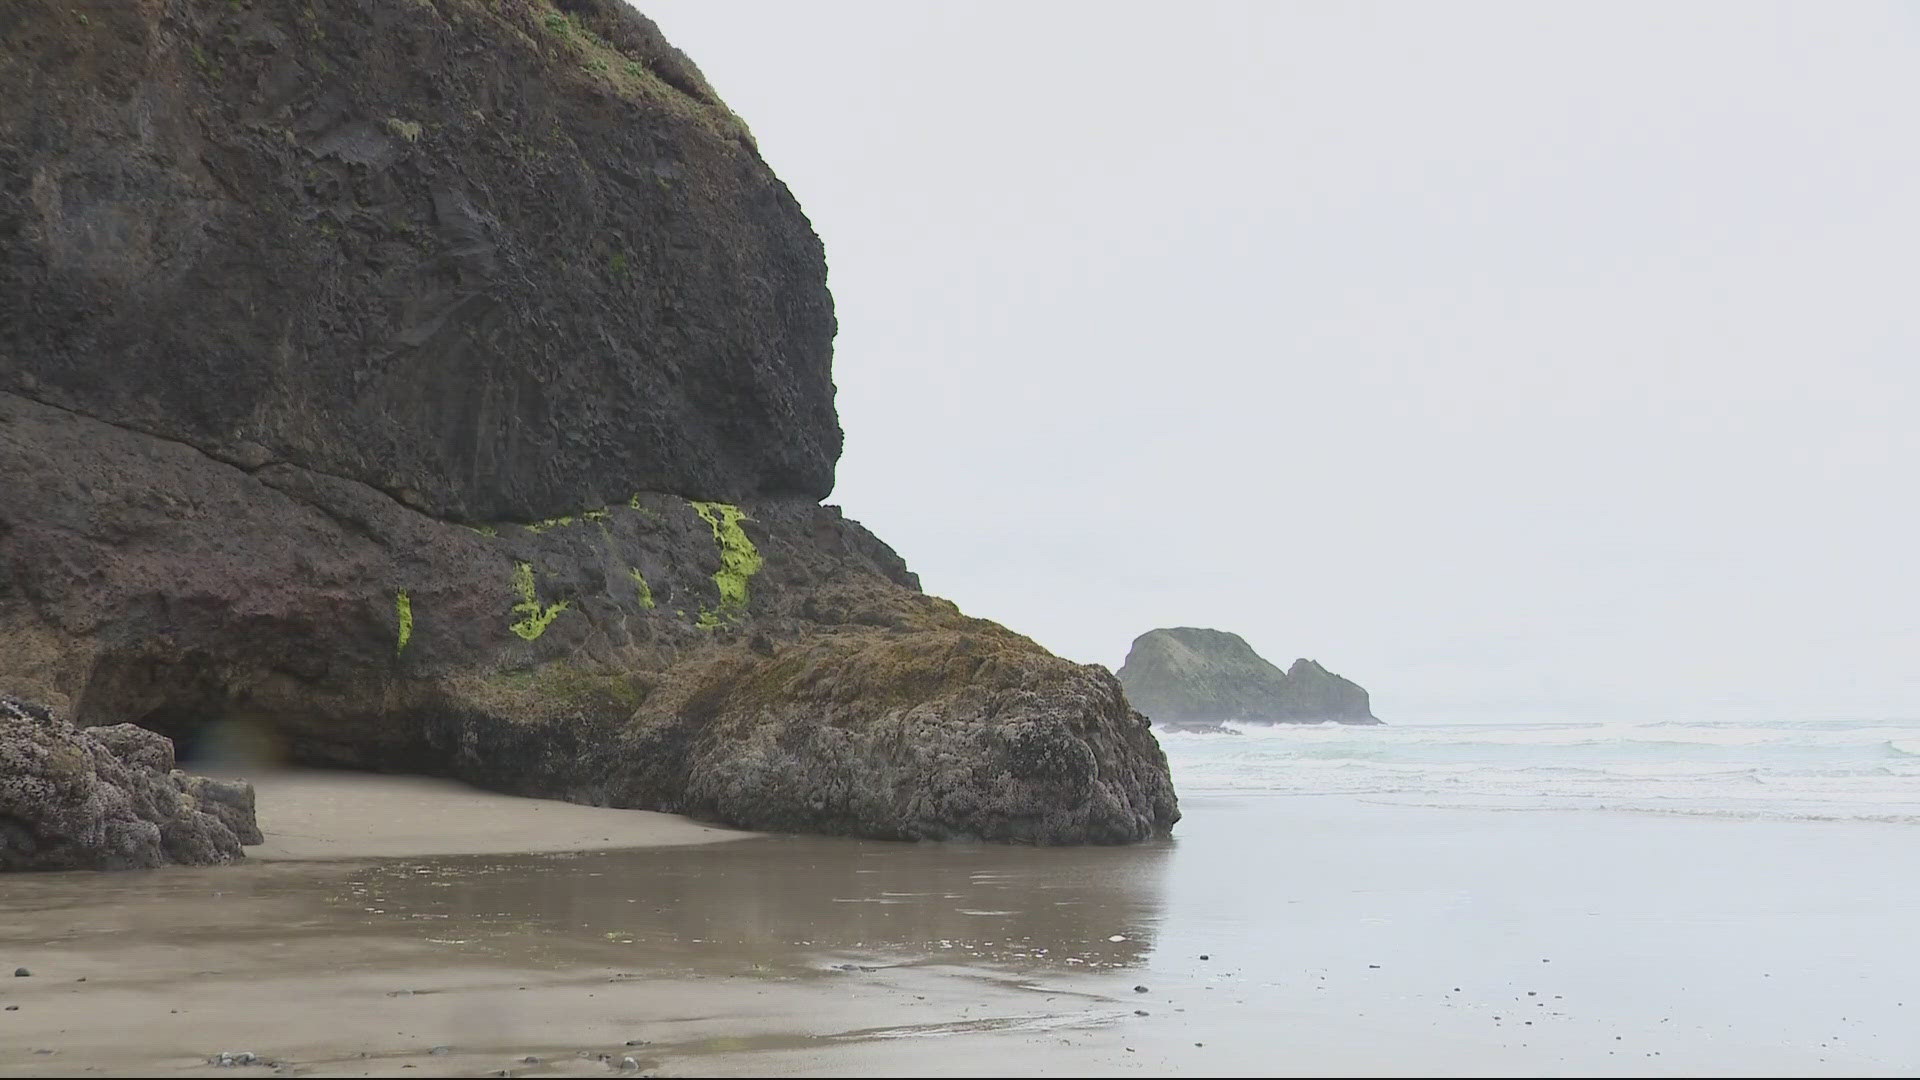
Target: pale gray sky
<point>1516,360</point>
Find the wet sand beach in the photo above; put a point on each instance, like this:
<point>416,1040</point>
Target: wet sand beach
<point>1289,936</point>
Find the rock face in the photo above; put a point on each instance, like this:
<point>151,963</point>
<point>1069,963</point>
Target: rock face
<point>1187,675</point>
<point>443,386</point>
<point>497,258</point>
<point>108,798</point>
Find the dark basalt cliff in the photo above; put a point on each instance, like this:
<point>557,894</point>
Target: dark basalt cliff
<point>1189,675</point>
<point>497,258</point>
<point>444,386</point>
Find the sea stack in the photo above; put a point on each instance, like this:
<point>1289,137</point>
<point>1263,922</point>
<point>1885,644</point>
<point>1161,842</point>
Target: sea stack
<point>446,388</point>
<point>1185,675</point>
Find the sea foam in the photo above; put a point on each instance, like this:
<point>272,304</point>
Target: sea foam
<point>1814,770</point>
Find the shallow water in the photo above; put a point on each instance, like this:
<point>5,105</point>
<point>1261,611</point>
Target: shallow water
<point>788,904</point>
<point>1502,942</point>
<point>1295,928</point>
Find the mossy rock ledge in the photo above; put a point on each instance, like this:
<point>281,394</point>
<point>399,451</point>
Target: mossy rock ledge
<point>444,387</point>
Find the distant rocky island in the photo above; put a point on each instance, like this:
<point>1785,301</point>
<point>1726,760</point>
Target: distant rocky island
<point>1186,675</point>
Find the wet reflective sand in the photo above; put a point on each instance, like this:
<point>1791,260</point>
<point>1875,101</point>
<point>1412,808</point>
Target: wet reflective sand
<point>464,964</point>
<point>789,904</point>
<point>1275,936</point>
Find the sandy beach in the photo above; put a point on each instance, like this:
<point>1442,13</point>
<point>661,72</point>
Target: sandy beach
<point>312,814</point>
<point>1288,936</point>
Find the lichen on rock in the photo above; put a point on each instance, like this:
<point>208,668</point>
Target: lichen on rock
<point>739,559</point>
<point>535,616</point>
<point>403,618</point>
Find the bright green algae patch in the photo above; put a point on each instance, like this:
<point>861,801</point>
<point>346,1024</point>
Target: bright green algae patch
<point>403,609</point>
<point>739,559</point>
<point>641,586</point>
<point>538,616</point>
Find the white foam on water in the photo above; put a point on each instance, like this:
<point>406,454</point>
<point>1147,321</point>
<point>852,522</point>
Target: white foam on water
<point>1815,770</point>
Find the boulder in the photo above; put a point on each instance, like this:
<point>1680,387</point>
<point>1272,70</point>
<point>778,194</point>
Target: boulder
<point>231,801</point>
<point>98,799</point>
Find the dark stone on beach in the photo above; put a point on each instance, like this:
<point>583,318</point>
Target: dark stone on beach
<point>98,799</point>
<point>21,973</point>
<point>232,801</point>
<point>1204,956</point>
<point>1139,989</point>
<point>450,394</point>
<point>1194,679</point>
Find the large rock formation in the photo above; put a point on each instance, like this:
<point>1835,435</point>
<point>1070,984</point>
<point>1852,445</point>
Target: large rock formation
<point>1186,675</point>
<point>443,386</point>
<point>497,258</point>
<point>108,798</point>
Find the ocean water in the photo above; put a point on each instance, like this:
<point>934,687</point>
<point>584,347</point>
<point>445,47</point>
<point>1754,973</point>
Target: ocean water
<point>1788,770</point>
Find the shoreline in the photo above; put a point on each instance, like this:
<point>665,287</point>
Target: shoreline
<point>312,814</point>
<point>1368,940</point>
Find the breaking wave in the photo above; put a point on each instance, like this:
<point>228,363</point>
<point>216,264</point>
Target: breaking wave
<point>1812,770</point>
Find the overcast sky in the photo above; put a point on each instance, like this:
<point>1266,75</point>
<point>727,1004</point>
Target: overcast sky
<point>1518,361</point>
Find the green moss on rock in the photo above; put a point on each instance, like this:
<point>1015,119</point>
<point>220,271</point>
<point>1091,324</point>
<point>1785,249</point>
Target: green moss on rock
<point>739,559</point>
<point>538,616</point>
<point>561,689</point>
<point>403,611</point>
